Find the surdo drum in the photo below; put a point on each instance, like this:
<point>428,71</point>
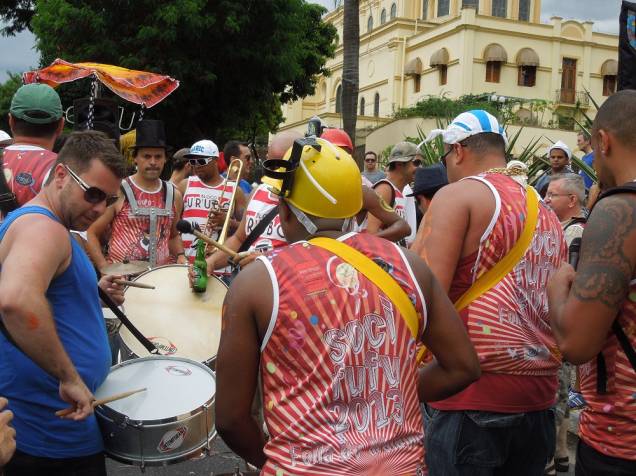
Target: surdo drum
<point>173,420</point>
<point>177,321</point>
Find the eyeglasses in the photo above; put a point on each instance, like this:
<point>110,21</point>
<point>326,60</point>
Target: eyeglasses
<point>550,195</point>
<point>369,160</point>
<point>442,159</point>
<point>416,162</point>
<point>92,195</point>
<point>201,162</point>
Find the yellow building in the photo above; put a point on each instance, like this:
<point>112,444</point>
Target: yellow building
<point>410,49</point>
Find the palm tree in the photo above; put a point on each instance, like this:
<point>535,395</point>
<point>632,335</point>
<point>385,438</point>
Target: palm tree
<point>350,66</point>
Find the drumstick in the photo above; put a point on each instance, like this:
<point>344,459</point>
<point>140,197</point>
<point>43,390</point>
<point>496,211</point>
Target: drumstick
<point>185,226</point>
<point>133,284</point>
<point>102,401</point>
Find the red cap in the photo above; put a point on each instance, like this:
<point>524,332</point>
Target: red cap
<point>338,137</point>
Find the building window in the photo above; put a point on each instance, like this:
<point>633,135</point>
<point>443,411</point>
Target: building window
<point>443,70</point>
<point>362,106</point>
<point>393,11</point>
<point>527,76</point>
<point>471,3</point>
<point>370,24</point>
<point>416,83</point>
<point>425,10</point>
<point>339,99</point>
<point>383,17</point>
<point>524,10</point>
<point>499,8</point>
<point>493,71</point>
<point>376,105</point>
<point>443,8</point>
<point>609,85</point>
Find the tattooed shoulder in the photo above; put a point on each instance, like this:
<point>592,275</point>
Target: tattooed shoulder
<point>605,269</point>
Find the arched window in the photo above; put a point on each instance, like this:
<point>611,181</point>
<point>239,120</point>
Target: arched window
<point>524,10</point>
<point>370,23</point>
<point>424,9</point>
<point>609,71</point>
<point>339,99</point>
<point>362,106</point>
<point>376,105</point>
<point>383,17</point>
<point>393,11</point>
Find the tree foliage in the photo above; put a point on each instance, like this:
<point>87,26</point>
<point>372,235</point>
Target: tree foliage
<point>7,90</point>
<point>16,15</point>
<point>236,61</point>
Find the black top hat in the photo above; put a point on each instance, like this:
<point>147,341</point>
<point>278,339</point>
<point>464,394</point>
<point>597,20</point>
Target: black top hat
<point>429,179</point>
<point>150,133</point>
<point>105,116</point>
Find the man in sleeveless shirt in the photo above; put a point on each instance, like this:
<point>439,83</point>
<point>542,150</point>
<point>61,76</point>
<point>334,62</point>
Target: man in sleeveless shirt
<point>143,220</point>
<point>503,423</point>
<point>50,308</point>
<point>593,310</point>
<point>35,119</point>
<point>340,381</point>
<point>207,194</point>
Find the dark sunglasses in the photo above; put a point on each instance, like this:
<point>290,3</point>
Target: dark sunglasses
<point>201,162</point>
<point>92,195</point>
<point>442,159</point>
<point>417,162</point>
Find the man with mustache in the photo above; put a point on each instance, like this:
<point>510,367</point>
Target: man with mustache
<point>143,220</point>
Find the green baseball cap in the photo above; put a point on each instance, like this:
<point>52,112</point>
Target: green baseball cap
<point>36,103</point>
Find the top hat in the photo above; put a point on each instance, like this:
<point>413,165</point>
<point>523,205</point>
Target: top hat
<point>429,179</point>
<point>105,116</point>
<point>150,133</point>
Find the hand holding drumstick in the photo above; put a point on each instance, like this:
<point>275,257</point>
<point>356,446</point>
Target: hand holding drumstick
<point>102,401</point>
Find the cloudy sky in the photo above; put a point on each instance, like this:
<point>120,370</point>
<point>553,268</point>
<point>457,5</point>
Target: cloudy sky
<point>17,54</point>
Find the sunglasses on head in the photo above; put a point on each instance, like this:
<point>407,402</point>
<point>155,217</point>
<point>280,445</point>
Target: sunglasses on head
<point>201,161</point>
<point>92,195</point>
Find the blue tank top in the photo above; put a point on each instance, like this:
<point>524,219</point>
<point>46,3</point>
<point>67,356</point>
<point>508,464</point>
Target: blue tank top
<point>33,394</point>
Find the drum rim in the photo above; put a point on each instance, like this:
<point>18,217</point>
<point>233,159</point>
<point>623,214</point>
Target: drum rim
<point>109,413</point>
<point>175,265</point>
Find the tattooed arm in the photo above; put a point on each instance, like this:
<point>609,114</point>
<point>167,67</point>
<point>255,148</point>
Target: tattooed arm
<point>584,305</point>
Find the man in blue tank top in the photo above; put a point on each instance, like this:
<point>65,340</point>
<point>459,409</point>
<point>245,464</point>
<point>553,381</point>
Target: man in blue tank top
<point>50,307</point>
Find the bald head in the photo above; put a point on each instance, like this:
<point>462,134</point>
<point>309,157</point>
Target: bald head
<point>617,116</point>
<point>281,143</point>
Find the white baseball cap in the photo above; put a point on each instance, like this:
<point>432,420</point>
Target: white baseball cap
<point>468,124</point>
<point>203,148</point>
<point>560,145</point>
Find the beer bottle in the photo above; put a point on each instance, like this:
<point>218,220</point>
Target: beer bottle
<point>200,269</point>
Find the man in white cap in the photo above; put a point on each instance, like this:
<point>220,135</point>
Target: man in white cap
<point>493,245</point>
<point>560,156</point>
<point>207,194</point>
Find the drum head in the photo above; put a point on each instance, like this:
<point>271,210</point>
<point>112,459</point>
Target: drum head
<point>175,387</point>
<point>179,322</point>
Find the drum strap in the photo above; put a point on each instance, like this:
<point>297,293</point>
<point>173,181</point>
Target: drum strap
<point>126,322</point>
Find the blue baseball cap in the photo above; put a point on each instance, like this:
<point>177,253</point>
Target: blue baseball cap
<point>468,124</point>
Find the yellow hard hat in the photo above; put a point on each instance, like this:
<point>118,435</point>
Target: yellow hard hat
<point>324,181</point>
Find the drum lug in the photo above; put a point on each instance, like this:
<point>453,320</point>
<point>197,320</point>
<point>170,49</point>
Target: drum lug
<point>121,421</point>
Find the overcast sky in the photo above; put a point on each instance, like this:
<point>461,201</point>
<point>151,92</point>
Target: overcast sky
<point>17,54</point>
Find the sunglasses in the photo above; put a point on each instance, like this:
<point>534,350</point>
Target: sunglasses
<point>416,162</point>
<point>442,159</point>
<point>92,195</point>
<point>201,162</point>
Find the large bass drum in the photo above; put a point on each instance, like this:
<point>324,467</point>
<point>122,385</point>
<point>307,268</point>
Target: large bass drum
<point>173,420</point>
<point>177,321</point>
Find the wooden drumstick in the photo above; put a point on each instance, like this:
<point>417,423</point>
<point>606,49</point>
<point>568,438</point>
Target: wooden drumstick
<point>133,284</point>
<point>185,226</point>
<point>102,401</point>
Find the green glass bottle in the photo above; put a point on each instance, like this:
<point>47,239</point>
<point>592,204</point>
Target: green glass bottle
<point>200,269</point>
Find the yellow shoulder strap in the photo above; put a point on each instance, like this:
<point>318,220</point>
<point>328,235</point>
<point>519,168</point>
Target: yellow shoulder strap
<point>377,276</point>
<point>490,278</point>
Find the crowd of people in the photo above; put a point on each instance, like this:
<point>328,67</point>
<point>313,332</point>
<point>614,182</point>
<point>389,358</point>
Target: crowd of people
<point>411,320</point>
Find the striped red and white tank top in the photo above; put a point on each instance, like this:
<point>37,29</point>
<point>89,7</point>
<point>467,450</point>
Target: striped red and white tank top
<point>399,201</point>
<point>130,237</point>
<point>338,368</point>
<point>608,423</point>
<point>260,204</point>
<point>509,325</point>
<point>198,199</point>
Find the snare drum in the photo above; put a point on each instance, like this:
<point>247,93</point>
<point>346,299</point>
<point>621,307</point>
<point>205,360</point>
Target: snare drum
<point>177,321</point>
<point>173,420</point>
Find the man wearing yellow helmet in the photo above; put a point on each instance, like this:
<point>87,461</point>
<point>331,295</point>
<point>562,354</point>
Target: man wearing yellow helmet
<point>336,353</point>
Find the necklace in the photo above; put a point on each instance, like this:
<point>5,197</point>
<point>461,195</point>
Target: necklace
<point>512,171</point>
